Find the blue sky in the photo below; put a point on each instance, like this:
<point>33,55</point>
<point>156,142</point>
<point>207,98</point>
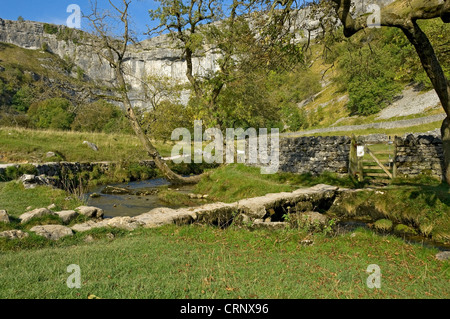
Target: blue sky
<point>54,11</point>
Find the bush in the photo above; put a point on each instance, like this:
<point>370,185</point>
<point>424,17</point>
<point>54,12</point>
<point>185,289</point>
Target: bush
<point>13,172</point>
<point>52,113</point>
<point>50,28</point>
<point>100,116</point>
<point>22,99</point>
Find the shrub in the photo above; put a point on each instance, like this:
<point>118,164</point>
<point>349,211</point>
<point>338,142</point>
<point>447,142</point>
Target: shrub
<point>52,113</point>
<point>50,28</point>
<point>100,116</point>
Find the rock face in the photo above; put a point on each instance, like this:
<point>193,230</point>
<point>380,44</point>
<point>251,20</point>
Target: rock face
<point>53,232</point>
<point>155,56</point>
<point>38,212</point>
<point>4,218</point>
<point>13,234</point>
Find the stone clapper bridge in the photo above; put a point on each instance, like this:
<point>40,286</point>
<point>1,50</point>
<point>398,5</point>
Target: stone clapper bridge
<point>263,211</point>
<point>258,211</point>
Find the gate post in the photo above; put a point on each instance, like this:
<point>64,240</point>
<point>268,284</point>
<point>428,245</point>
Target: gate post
<point>355,168</point>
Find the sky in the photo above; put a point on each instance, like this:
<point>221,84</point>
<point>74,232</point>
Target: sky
<point>55,11</point>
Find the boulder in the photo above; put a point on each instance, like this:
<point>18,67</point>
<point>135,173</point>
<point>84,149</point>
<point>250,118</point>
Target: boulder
<point>126,223</point>
<point>315,218</point>
<point>52,232</point>
<point>31,181</point>
<point>383,225</point>
<point>112,190</point>
<point>163,216</point>
<point>443,255</point>
<point>258,223</point>
<point>13,234</point>
<point>91,145</point>
<point>89,225</point>
<point>402,229</point>
<point>67,215</point>
<point>4,218</point>
<point>38,212</point>
<point>90,211</point>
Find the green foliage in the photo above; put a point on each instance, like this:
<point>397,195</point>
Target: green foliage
<point>371,83</point>
<point>50,28</point>
<point>23,99</point>
<point>100,116</point>
<point>13,172</point>
<point>376,64</point>
<point>159,122</point>
<point>20,19</point>
<point>52,113</point>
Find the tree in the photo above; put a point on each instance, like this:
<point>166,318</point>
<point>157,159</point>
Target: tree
<point>404,14</point>
<point>52,113</point>
<point>194,28</point>
<point>112,48</point>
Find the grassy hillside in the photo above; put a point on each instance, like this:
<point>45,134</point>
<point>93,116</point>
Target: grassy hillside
<point>27,145</point>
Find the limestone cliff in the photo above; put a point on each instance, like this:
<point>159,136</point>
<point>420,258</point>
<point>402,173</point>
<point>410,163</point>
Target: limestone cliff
<point>151,57</point>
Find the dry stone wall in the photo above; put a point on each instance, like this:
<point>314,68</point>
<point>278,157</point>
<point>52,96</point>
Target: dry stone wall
<point>419,155</point>
<point>315,155</point>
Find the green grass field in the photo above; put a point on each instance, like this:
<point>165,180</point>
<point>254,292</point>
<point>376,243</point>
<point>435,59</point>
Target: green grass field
<point>205,262</point>
<point>26,145</point>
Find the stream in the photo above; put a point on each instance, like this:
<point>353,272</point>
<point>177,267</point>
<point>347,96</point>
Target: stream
<point>136,202</point>
<point>142,197</point>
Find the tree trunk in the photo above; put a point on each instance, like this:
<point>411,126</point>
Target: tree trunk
<point>440,83</point>
<point>171,176</point>
<point>445,133</point>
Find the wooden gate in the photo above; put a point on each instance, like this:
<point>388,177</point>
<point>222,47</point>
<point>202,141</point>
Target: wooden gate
<point>373,162</point>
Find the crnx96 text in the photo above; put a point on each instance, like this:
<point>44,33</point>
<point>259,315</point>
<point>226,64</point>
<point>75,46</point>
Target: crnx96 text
<point>246,308</point>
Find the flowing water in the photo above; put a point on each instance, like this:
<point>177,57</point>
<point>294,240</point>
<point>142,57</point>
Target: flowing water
<point>134,203</point>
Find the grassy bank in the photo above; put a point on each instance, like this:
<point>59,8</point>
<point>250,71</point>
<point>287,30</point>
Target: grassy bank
<point>15,198</point>
<point>422,203</point>
<point>205,262</point>
<point>233,182</point>
<point>25,145</point>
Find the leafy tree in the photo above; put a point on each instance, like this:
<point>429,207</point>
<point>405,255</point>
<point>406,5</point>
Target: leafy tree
<point>403,15</point>
<point>112,47</point>
<point>98,116</point>
<point>52,113</point>
<point>23,99</point>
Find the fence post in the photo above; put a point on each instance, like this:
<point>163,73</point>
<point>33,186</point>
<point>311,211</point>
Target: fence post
<point>355,164</point>
<point>394,164</point>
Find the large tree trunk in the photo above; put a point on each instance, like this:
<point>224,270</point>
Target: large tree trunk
<point>440,83</point>
<point>171,176</point>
